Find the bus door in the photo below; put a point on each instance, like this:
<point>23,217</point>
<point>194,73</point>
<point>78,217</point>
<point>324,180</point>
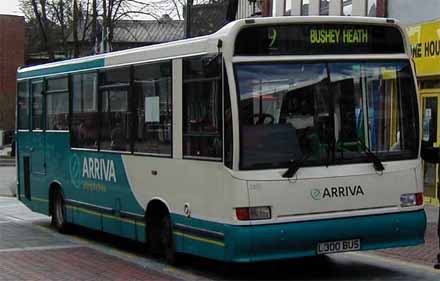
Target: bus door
<point>431,119</point>
<point>38,145</point>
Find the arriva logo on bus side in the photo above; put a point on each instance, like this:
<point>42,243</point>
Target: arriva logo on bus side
<point>91,168</point>
<point>75,170</point>
<point>98,169</point>
<point>341,191</point>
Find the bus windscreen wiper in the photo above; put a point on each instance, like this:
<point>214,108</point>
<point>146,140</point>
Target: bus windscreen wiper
<point>293,168</point>
<point>378,166</point>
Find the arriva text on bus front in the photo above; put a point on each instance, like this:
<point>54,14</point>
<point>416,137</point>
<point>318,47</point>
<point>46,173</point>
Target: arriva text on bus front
<point>98,169</point>
<point>339,36</point>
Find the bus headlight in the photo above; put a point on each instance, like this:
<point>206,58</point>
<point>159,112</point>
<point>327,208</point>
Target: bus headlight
<point>253,213</point>
<point>411,199</point>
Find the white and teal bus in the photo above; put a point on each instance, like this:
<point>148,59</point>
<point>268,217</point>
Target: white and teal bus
<point>273,138</point>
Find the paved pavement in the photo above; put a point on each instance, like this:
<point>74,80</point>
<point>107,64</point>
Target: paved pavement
<point>8,179</point>
<point>80,263</point>
<point>30,250</point>
<point>8,174</point>
<point>424,254</point>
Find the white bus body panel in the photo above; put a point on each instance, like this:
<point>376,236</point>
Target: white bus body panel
<point>335,191</point>
<point>180,182</point>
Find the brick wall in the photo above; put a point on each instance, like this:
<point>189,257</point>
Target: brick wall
<point>11,57</point>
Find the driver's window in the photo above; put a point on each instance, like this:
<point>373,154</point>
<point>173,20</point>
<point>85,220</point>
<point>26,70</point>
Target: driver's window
<point>202,104</point>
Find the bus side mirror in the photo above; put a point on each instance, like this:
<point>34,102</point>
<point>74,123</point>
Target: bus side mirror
<point>429,153</point>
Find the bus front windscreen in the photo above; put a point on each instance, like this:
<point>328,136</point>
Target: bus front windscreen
<point>326,113</point>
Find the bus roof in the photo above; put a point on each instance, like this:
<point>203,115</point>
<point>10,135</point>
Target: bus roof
<point>181,48</point>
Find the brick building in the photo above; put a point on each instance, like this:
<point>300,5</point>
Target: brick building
<point>11,57</point>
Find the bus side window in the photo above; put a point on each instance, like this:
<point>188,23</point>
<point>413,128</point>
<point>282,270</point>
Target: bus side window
<point>116,118</point>
<point>202,106</point>
<point>84,130</point>
<point>23,105</point>
<point>37,105</point>
<point>57,104</point>
<point>153,95</point>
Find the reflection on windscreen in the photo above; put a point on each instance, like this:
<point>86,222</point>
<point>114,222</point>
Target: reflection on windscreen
<point>325,113</point>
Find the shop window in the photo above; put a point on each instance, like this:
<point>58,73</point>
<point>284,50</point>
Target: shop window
<point>429,84</point>
<point>372,8</point>
<point>324,6</point>
<point>347,7</point>
<point>23,105</point>
<point>305,7</point>
<point>37,105</point>
<point>57,104</point>
<point>202,103</point>
<point>84,130</point>
<point>153,91</point>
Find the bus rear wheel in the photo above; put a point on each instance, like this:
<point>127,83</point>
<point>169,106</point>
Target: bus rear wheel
<point>161,240</point>
<point>59,213</point>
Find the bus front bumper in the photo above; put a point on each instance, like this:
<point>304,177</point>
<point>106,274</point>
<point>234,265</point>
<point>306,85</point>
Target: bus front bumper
<point>300,239</point>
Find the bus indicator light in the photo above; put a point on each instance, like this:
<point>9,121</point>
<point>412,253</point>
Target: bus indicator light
<point>411,199</point>
<point>419,198</point>
<point>242,214</point>
<point>253,213</point>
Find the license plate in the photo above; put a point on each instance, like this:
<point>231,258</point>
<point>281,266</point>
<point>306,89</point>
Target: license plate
<point>339,246</point>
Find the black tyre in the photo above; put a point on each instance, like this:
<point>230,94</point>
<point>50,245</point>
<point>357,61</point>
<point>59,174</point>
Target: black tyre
<point>153,237</point>
<point>161,241</point>
<point>168,242</point>
<point>59,213</point>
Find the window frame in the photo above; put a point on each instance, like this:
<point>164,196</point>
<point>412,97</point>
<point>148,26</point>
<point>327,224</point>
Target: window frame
<point>332,161</point>
<point>71,112</point>
<point>102,87</point>
<point>28,97</point>
<point>225,85</point>
<point>43,104</point>
<point>56,92</point>
<point>135,97</point>
<point>221,126</point>
<point>131,106</point>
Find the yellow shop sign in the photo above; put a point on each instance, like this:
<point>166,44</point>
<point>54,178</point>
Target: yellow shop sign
<point>425,46</point>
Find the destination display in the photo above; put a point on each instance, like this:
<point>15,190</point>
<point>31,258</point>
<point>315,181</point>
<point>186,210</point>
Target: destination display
<point>319,39</point>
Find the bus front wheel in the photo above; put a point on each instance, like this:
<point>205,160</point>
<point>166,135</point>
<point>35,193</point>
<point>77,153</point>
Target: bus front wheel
<point>161,240</point>
<point>59,213</point>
